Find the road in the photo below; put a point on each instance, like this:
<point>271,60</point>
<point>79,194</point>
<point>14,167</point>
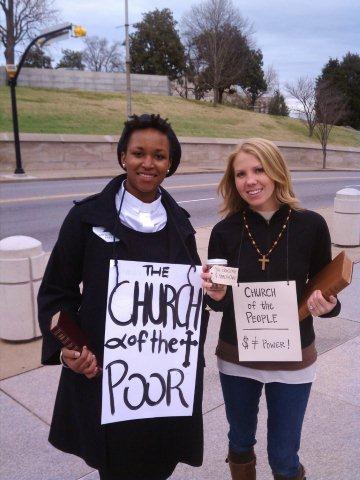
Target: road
<point>38,208</point>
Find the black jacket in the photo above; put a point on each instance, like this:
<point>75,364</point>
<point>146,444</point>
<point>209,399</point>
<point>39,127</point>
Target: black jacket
<point>81,256</point>
<point>303,250</point>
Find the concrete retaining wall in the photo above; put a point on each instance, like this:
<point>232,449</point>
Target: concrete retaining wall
<point>2,76</point>
<point>92,81</point>
<point>59,152</point>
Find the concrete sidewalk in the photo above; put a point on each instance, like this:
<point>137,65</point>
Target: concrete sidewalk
<point>331,439</point>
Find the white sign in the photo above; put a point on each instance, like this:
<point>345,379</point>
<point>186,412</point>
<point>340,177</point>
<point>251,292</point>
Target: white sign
<point>267,321</point>
<point>224,275</point>
<point>151,342</point>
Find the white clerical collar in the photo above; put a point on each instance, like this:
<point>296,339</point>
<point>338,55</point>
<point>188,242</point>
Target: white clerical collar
<point>140,216</point>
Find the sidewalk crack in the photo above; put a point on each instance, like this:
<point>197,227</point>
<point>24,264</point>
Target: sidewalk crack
<point>24,406</point>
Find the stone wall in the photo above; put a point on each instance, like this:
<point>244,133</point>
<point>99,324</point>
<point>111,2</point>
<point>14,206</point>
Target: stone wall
<point>2,76</point>
<point>213,153</point>
<point>59,152</point>
<point>92,81</point>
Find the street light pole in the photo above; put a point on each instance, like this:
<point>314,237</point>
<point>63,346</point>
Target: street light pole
<point>12,82</point>
<point>12,85</point>
<point>128,62</point>
<point>13,73</point>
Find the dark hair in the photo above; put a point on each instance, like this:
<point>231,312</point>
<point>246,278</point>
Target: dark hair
<point>144,121</point>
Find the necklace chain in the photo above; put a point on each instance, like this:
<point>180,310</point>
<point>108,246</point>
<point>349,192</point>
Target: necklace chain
<point>264,256</point>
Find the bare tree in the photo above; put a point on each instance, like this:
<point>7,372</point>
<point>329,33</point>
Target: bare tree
<point>213,15</point>
<point>191,83</point>
<point>23,19</point>
<point>330,108</point>
<point>304,92</point>
<point>221,39</point>
<point>100,56</point>
<point>272,80</point>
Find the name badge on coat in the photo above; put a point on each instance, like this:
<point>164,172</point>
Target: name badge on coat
<point>104,234</point>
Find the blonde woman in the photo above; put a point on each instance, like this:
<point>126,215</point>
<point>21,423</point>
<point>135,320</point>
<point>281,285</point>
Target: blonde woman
<point>270,238</point>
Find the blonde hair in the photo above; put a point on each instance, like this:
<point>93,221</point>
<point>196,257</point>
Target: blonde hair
<point>274,166</point>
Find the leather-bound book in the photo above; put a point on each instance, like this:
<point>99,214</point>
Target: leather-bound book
<point>330,280</point>
<point>68,332</point>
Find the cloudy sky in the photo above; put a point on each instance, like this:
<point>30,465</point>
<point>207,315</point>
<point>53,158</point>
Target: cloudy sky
<point>297,37</point>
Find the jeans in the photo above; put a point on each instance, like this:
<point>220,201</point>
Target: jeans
<point>286,404</point>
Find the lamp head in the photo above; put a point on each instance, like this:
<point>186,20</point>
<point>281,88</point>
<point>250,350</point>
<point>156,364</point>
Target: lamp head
<point>78,31</point>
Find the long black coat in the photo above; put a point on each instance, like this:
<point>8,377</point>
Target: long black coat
<point>81,256</point>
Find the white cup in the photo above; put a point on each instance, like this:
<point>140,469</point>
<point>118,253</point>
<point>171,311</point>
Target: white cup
<point>210,262</point>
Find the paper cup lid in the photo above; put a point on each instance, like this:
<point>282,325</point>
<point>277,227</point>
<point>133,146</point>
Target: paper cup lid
<point>216,261</point>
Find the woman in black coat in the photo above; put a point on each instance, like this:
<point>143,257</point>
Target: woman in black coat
<point>133,218</point>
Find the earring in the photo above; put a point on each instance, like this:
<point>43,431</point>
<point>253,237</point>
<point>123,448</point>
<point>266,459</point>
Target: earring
<point>168,170</point>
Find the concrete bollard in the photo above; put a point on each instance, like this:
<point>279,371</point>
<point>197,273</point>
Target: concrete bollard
<point>346,228</point>
<point>22,265</point>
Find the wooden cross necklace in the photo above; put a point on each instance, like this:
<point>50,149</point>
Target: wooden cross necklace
<point>263,256</point>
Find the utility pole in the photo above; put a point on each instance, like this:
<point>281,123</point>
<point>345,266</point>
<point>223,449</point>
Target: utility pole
<point>128,62</point>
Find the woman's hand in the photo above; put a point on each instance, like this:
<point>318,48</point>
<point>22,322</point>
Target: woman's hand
<point>207,284</point>
<point>318,305</point>
<point>84,363</point>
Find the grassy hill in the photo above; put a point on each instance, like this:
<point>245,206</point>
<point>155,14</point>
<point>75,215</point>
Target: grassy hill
<point>67,111</point>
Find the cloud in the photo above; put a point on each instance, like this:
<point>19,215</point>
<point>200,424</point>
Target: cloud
<point>297,37</point>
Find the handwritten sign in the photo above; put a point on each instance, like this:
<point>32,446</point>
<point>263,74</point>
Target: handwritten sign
<point>267,321</point>
<point>151,341</point>
<point>224,275</point>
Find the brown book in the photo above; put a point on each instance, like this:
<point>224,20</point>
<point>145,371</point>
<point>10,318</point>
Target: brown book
<point>68,332</point>
<point>330,280</point>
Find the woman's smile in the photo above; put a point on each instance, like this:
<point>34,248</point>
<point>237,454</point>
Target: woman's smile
<point>147,176</point>
<point>254,192</point>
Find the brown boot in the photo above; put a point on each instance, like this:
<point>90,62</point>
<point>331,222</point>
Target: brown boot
<point>242,471</point>
<point>300,475</point>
